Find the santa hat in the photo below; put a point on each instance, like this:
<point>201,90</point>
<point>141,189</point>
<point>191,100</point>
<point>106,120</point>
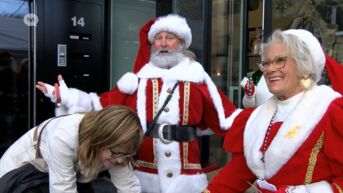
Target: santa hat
<point>143,54</point>
<point>334,71</point>
<point>316,51</point>
<point>172,23</point>
<point>128,83</point>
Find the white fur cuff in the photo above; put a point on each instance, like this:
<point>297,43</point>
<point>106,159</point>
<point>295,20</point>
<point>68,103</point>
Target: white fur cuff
<point>318,187</point>
<point>128,83</point>
<point>228,121</point>
<point>95,101</point>
<point>188,183</point>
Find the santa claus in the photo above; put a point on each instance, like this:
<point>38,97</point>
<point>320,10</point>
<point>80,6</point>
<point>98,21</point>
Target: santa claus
<point>173,96</point>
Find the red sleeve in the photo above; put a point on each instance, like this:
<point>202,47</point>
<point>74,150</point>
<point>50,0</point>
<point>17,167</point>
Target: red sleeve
<point>115,97</point>
<point>335,71</point>
<point>333,143</point>
<point>235,177</point>
<point>234,137</point>
<point>210,116</point>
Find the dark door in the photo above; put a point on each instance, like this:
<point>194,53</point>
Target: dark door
<point>14,71</point>
<point>71,40</point>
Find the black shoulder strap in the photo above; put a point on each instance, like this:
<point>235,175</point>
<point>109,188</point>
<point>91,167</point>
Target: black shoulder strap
<point>161,109</point>
<point>37,138</point>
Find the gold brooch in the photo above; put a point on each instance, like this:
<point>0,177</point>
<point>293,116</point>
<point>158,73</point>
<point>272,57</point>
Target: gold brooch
<point>291,133</point>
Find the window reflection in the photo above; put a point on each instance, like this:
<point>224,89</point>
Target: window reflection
<point>324,18</point>
<point>13,8</point>
<point>225,68</point>
<point>13,71</point>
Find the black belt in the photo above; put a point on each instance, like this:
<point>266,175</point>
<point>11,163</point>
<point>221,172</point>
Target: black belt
<point>167,133</point>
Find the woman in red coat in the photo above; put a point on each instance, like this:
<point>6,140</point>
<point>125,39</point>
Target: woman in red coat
<point>293,142</point>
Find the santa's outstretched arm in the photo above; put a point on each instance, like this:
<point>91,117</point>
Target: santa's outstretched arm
<point>69,100</point>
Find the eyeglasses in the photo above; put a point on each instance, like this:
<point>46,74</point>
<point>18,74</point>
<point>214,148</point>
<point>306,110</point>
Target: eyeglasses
<point>279,62</point>
<point>122,155</point>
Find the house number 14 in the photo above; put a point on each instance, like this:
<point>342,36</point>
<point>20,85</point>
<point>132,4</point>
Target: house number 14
<point>78,21</point>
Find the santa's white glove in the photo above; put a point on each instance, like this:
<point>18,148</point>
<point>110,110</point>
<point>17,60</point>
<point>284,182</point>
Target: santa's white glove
<point>249,93</point>
<point>296,189</point>
<point>317,187</point>
<point>50,92</point>
<point>73,99</point>
<point>67,98</point>
<point>248,86</point>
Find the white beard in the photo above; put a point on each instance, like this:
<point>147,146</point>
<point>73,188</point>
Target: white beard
<point>166,60</point>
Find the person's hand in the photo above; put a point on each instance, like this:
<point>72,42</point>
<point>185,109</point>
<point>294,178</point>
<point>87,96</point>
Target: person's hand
<point>59,93</point>
<point>249,88</point>
<point>47,89</point>
<point>292,189</point>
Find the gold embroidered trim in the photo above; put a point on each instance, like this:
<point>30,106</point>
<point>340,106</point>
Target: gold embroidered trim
<point>187,165</point>
<point>154,96</point>
<point>313,159</point>
<point>338,188</point>
<point>185,103</point>
<point>140,163</point>
<point>206,191</point>
<point>152,165</point>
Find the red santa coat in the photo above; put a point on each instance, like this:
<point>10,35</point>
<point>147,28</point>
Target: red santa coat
<point>304,149</point>
<point>173,167</point>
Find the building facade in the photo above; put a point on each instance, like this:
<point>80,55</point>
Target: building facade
<point>93,42</point>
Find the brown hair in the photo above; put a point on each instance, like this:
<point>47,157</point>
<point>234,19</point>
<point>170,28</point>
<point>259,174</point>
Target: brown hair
<point>108,128</point>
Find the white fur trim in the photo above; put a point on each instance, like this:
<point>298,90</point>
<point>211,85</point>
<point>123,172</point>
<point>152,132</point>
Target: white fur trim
<point>180,72</point>
<point>95,101</point>
<point>141,103</point>
<point>319,187</point>
<point>167,165</point>
<point>173,115</point>
<point>171,23</point>
<point>262,92</point>
<point>306,115</point>
<point>181,184</point>
<point>260,96</point>
<point>231,118</point>
<point>225,123</point>
<point>316,51</point>
<point>128,83</point>
<point>155,183</point>
<point>76,100</point>
<point>188,183</point>
<point>217,101</point>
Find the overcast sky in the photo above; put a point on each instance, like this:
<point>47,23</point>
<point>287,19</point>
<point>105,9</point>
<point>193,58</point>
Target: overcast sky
<point>13,7</point>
